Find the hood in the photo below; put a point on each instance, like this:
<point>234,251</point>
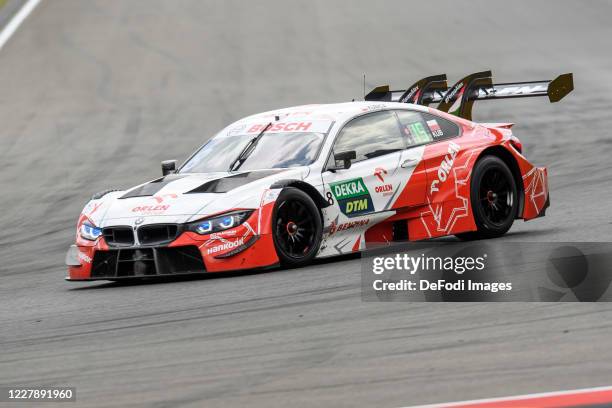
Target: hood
<point>179,198</point>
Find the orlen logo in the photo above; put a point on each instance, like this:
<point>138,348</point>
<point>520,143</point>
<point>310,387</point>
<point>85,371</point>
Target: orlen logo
<point>225,246</point>
<point>155,208</point>
<point>445,167</point>
<point>150,208</point>
<point>160,199</point>
<point>385,188</point>
<point>380,173</point>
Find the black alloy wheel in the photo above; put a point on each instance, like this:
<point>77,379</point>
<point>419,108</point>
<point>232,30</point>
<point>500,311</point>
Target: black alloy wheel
<point>494,198</point>
<point>297,227</point>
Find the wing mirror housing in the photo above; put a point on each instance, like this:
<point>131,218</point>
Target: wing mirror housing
<point>346,158</point>
<point>168,167</point>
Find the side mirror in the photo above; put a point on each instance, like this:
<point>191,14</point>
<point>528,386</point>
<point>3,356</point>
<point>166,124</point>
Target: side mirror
<point>168,167</point>
<point>345,158</point>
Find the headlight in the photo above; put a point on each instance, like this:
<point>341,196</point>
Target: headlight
<point>89,232</point>
<point>219,223</point>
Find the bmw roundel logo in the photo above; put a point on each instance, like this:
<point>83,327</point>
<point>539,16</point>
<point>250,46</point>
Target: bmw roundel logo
<point>139,221</point>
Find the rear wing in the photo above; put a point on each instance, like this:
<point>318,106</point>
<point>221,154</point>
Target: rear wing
<point>459,98</point>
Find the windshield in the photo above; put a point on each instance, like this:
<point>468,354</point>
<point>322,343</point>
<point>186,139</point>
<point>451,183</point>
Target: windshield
<point>274,150</point>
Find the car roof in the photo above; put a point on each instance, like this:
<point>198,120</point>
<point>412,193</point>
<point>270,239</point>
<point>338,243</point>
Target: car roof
<point>319,116</point>
<point>330,111</point>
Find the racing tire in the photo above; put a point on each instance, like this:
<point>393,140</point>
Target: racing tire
<point>297,227</point>
<point>493,197</point>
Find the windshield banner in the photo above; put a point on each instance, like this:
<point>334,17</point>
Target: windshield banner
<point>311,126</point>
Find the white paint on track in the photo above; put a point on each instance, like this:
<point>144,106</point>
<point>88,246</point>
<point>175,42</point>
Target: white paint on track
<point>16,21</point>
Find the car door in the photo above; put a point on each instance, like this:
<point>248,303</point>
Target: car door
<point>413,166</point>
<point>371,183</point>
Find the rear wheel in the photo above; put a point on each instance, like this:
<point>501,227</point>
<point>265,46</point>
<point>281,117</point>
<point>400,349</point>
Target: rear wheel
<point>494,198</point>
<point>296,227</point>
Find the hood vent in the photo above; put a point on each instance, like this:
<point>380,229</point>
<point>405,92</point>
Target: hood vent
<point>225,184</point>
<point>153,187</point>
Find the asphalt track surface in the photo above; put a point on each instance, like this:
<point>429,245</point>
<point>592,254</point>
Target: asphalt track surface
<point>93,94</point>
<point>8,8</point>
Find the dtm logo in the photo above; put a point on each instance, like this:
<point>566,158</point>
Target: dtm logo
<point>353,197</point>
<point>445,167</point>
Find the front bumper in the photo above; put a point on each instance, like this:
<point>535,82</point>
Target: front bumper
<point>187,255</point>
<point>247,246</point>
<point>146,262</point>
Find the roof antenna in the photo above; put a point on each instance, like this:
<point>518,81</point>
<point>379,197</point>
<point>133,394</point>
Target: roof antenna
<point>364,86</point>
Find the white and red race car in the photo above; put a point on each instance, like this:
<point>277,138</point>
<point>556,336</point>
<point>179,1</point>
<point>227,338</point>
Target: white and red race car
<point>289,185</point>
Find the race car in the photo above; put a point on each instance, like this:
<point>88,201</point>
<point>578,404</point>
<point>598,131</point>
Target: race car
<point>286,186</point>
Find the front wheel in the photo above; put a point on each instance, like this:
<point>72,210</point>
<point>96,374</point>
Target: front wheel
<point>494,198</point>
<point>296,227</point>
